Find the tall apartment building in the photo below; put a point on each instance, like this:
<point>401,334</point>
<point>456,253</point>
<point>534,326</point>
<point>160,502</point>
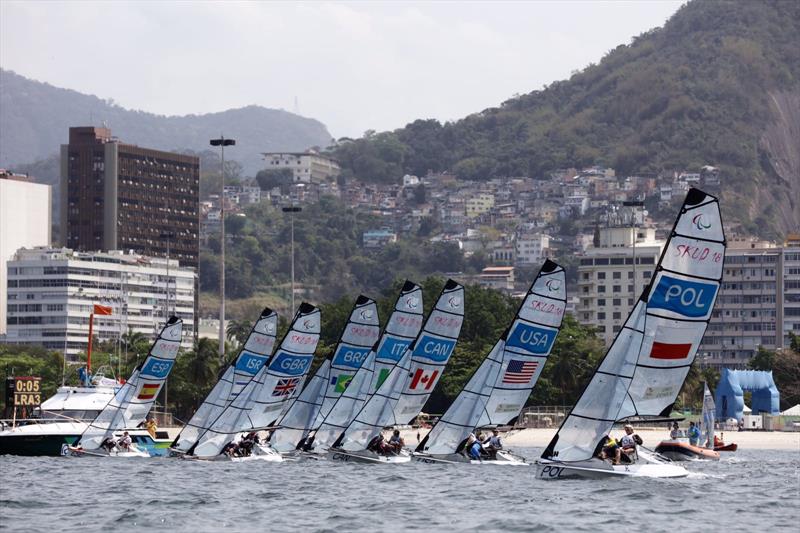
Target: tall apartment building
<point>52,291</point>
<point>607,288</point>
<point>758,303</point>
<point>306,167</point>
<point>118,196</point>
<point>25,220</point>
<point>791,288</point>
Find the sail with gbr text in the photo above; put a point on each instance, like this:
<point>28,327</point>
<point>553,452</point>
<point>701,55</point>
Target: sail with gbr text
<point>254,354</point>
<point>133,401</point>
<point>277,382</point>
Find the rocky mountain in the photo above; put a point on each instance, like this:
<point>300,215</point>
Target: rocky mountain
<point>718,85</point>
<point>35,118</point>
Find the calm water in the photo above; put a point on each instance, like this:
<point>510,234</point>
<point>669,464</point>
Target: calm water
<point>748,490</point>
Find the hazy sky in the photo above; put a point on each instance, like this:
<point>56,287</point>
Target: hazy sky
<point>353,65</point>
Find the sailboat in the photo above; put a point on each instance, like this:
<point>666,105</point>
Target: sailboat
<point>646,365</point>
<point>500,386</point>
<point>133,401</point>
<point>401,329</point>
<point>331,379</point>
<point>403,393</point>
<point>262,399</point>
<point>254,353</point>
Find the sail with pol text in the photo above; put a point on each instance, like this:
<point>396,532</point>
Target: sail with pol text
<point>415,377</point>
<point>255,352</point>
<point>401,329</point>
<point>498,389</point>
<point>133,401</point>
<point>276,382</point>
<point>357,338</point>
<point>679,304</point>
<point>646,365</point>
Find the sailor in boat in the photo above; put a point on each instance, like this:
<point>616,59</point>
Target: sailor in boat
<point>628,444</point>
<point>493,444</point>
<point>474,447</point>
<point>231,449</point>
<point>675,432</point>
<point>378,445</point>
<point>610,450</point>
<point>125,442</point>
<point>248,442</point>
<point>306,444</point>
<point>396,442</point>
<point>150,425</point>
<point>694,434</point>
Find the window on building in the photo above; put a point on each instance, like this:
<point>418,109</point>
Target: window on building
<point>601,316</point>
<point>616,275</point>
<point>617,288</point>
<point>601,302</point>
<point>601,288</point>
<point>646,274</point>
<point>616,302</point>
<point>617,315</point>
<point>616,329</point>
<point>601,275</point>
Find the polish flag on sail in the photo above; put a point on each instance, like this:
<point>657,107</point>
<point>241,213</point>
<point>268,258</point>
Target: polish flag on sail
<point>665,350</point>
<point>423,380</point>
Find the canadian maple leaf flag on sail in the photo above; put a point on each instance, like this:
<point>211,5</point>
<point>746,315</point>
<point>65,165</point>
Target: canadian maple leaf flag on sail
<point>423,380</point>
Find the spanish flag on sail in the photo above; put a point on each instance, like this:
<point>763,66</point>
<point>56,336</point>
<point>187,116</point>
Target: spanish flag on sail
<point>148,391</point>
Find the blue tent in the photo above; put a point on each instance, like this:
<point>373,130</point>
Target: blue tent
<point>729,396</point>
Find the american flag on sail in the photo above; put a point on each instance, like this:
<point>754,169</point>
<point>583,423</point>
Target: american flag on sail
<point>285,386</point>
<point>520,372</point>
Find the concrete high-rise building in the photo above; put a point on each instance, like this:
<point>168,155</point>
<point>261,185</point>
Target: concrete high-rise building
<point>24,222</point>
<point>607,289</point>
<point>52,292</point>
<point>118,196</point>
<point>758,304</point>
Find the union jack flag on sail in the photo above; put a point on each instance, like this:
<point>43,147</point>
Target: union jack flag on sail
<point>285,386</point>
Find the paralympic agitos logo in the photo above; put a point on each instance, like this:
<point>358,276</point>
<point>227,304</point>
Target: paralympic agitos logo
<point>700,223</point>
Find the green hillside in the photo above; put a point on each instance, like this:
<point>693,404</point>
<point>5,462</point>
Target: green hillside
<point>718,84</point>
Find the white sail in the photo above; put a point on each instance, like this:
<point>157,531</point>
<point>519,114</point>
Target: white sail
<point>277,382</point>
<point>679,304</point>
<point>408,386</point>
<point>646,365</point>
<point>598,407</point>
<point>296,421</point>
<point>709,411</point>
<point>528,343</point>
<point>499,388</point>
<point>133,401</point>
<point>461,418</point>
<point>401,329</point>
<point>254,354</point>
<point>332,378</point>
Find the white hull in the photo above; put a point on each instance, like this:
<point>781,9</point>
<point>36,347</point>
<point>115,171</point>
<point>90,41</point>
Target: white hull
<point>338,454</point>
<point>598,469</point>
<point>133,451</point>
<point>261,452</point>
<point>504,458</point>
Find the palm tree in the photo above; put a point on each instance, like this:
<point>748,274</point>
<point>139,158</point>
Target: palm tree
<point>238,330</point>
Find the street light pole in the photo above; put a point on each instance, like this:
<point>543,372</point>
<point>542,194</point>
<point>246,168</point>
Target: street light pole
<point>634,205</point>
<point>292,210</point>
<point>222,142</point>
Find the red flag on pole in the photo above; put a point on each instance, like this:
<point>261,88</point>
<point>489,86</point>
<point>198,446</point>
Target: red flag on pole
<point>103,310</point>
